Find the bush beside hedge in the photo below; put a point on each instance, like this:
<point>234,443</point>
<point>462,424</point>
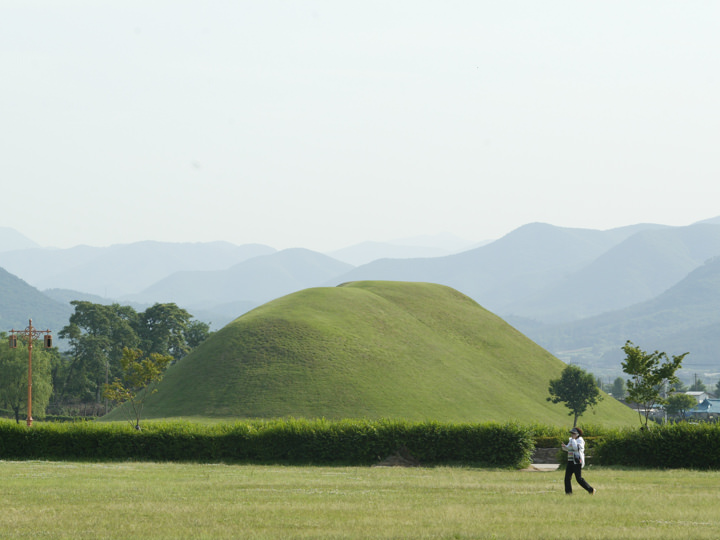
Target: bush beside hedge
<point>351,442</point>
<point>682,445</point>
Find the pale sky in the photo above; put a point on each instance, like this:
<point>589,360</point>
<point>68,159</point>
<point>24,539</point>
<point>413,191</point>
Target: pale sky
<point>321,124</point>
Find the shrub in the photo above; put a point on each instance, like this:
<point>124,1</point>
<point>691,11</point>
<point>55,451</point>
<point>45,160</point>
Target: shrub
<point>352,442</point>
<point>681,445</point>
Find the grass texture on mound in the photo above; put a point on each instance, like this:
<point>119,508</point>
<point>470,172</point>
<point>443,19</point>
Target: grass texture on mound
<point>415,351</point>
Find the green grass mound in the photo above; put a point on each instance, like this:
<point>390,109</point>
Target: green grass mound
<point>412,351</point>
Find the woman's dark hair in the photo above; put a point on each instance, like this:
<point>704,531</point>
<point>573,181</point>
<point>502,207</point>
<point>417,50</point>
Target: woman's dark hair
<point>580,432</point>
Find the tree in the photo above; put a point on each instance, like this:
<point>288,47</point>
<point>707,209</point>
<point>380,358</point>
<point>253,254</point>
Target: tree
<point>97,335</point>
<point>139,374</point>
<point>698,386</point>
<point>14,379</point>
<point>618,388</point>
<point>196,333</point>
<point>163,328</point>
<point>680,404</point>
<point>576,389</point>
<point>648,376</point>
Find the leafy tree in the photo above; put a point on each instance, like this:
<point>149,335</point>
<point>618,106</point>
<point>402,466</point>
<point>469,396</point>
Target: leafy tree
<point>97,334</point>
<point>698,386</point>
<point>648,376</point>
<point>576,389</point>
<point>680,404</point>
<point>139,373</point>
<point>164,328</point>
<point>196,333</point>
<point>618,388</point>
<point>14,379</point>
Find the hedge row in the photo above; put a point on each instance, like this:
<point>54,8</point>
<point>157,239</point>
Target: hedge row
<point>350,442</point>
<point>50,417</point>
<point>682,445</point>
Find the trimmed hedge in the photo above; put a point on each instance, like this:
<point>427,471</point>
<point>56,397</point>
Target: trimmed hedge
<point>350,442</point>
<point>672,446</point>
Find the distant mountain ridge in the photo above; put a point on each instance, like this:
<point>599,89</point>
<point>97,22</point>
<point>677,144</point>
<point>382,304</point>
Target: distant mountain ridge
<point>404,248</point>
<point>684,318</point>
<point>19,302</point>
<point>122,269</point>
<point>508,271</point>
<point>11,240</point>
<point>547,280</point>
<point>255,281</point>
<point>367,252</point>
<point>635,270</point>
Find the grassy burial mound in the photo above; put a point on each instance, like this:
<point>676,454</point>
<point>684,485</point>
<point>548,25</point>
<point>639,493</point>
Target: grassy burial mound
<point>412,351</point>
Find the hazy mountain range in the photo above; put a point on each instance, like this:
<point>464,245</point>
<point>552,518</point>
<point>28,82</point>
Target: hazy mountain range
<point>580,293</point>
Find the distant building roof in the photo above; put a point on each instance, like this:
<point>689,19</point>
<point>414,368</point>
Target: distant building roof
<point>707,406</point>
<point>699,395</point>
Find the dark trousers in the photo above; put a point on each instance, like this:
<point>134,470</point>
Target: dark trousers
<point>576,469</point>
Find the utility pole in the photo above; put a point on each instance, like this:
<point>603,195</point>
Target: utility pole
<point>31,334</point>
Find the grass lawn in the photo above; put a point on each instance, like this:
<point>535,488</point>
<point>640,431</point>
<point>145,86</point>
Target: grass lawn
<point>42,499</point>
<point>368,349</point>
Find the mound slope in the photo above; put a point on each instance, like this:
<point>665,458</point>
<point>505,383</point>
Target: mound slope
<point>373,350</point>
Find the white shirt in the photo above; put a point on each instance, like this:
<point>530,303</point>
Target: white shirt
<point>576,450</point>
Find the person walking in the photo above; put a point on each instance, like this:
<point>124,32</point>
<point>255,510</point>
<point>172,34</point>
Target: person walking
<point>575,449</point>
